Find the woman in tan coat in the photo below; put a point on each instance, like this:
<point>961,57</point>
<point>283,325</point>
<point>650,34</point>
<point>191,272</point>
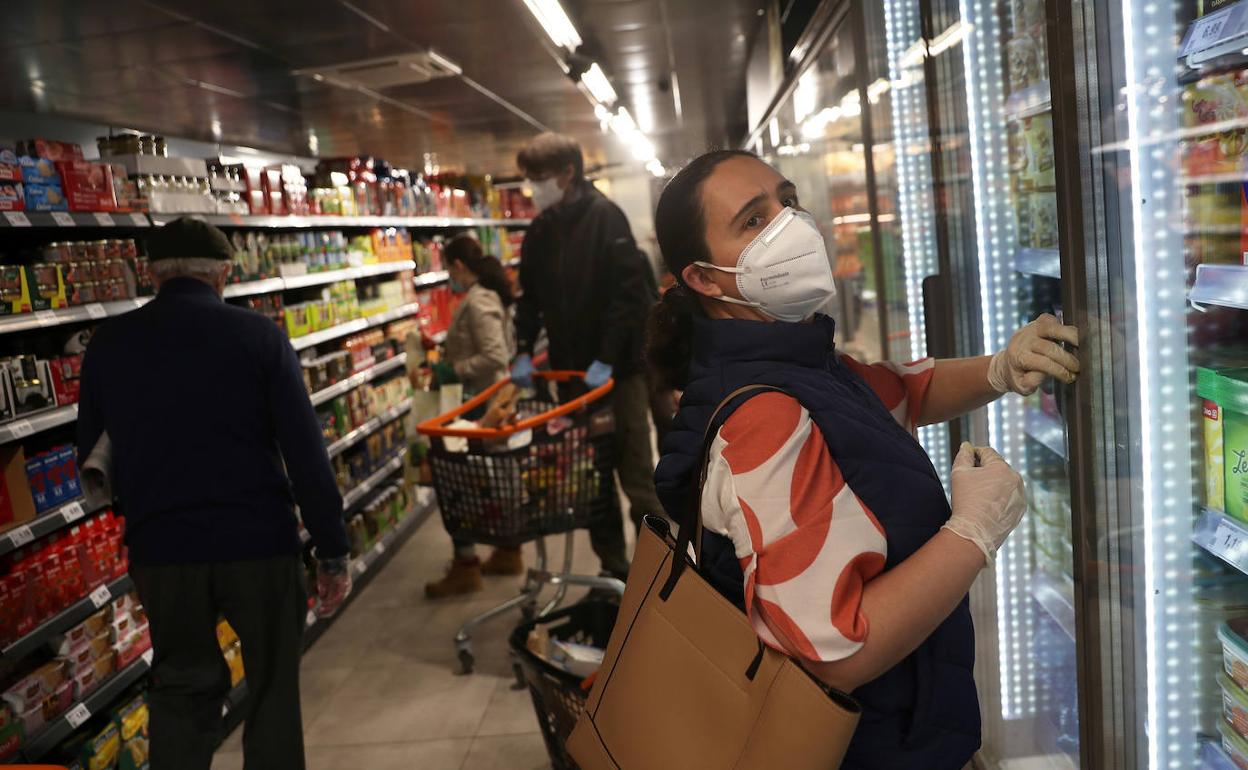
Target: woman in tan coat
<point>480,344</point>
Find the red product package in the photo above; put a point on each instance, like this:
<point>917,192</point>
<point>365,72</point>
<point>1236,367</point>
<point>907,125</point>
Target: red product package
<point>12,197</point>
<point>87,186</point>
<point>46,148</point>
<point>10,172</point>
<point>272,185</point>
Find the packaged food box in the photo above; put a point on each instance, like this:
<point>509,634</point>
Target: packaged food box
<point>44,197</point>
<point>84,683</point>
<point>99,751</point>
<point>59,701</point>
<point>1233,390</point>
<point>39,171</point>
<point>10,740</point>
<point>1234,705</point>
<point>17,505</point>
<point>88,186</point>
<point>51,150</point>
<point>1236,747</point>
<point>1207,391</point>
<point>32,719</point>
<point>1235,650</point>
<point>12,197</point>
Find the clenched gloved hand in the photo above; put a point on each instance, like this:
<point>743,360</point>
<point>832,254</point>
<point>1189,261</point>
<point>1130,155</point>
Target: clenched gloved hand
<point>1035,352</point>
<point>333,585</point>
<point>522,370</point>
<point>988,499</point>
<point>598,374</point>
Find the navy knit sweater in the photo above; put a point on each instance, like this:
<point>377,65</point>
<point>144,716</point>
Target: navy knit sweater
<point>211,427</point>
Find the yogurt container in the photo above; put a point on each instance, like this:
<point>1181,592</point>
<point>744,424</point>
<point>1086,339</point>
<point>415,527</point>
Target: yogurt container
<point>1234,706</point>
<point>1235,746</point>
<point>1235,650</point>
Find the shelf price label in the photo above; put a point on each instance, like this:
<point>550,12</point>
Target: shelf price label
<point>103,219</point>
<point>47,317</point>
<point>1206,32</point>
<point>1231,542</point>
<point>21,536</point>
<point>63,219</point>
<point>96,311</point>
<point>16,219</point>
<point>138,220</point>
<point>380,548</point>
<point>147,656</point>
<point>21,428</point>
<point>310,620</point>
<point>359,567</point>
<point>78,715</point>
<point>72,512</point>
<point>100,596</point>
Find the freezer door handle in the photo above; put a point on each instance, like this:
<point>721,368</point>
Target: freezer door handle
<point>936,316</point>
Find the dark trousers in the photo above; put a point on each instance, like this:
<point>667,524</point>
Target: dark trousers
<point>265,601</point>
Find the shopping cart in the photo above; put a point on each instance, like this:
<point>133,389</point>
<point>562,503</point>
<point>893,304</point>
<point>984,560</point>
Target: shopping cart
<point>550,473</point>
<point>558,696</point>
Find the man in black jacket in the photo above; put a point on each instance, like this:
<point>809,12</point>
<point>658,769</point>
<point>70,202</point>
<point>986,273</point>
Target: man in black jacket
<point>587,284</point>
<point>209,426</point>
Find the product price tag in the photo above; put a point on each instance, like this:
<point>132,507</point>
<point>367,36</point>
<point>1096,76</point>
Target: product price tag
<point>100,596</point>
<point>359,568</point>
<point>21,536</point>
<point>72,512</point>
<point>310,620</point>
<point>96,310</point>
<point>1206,32</point>
<point>78,715</point>
<point>47,318</point>
<point>380,548</point>
<point>21,428</point>
<point>236,219</point>
<point>138,220</point>
<point>104,219</point>
<point>63,219</point>
<point>16,219</point>
<point>1230,542</point>
<point>147,656</point>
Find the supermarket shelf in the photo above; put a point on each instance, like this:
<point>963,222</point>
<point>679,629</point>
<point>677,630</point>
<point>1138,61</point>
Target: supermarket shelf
<point>357,379</point>
<point>296,223</point>
<point>358,492</point>
<point>1032,100</point>
<point>1057,596</point>
<point>1214,757</point>
<point>67,219</point>
<point>1224,285</point>
<point>99,700</point>
<point>1222,536</point>
<point>37,423</point>
<point>1045,262</point>
<point>67,618</point>
<point>368,428</point>
<point>1047,430</point>
<point>365,567</point>
<point>287,283</point>
<point>431,278</point>
<point>70,315</point>
<point>45,524</point>
<point>351,327</point>
<point>1225,177</point>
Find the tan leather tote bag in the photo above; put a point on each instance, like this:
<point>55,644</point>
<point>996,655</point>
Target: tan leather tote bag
<point>686,683</point>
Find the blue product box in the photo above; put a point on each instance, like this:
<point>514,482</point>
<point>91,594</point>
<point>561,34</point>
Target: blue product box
<point>44,197</point>
<point>36,473</point>
<point>58,486</point>
<point>68,458</point>
<point>39,171</point>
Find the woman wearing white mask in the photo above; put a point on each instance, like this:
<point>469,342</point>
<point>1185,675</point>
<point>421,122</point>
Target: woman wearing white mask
<point>825,520</point>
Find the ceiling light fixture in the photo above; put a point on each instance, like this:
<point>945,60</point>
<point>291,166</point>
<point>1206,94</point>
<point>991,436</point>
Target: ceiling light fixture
<point>555,22</point>
<point>596,81</point>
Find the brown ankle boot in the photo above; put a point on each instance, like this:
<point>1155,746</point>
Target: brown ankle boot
<point>463,577</point>
<point>504,561</point>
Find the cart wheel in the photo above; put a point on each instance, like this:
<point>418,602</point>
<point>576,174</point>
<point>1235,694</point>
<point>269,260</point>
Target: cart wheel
<point>466,662</point>
<point>519,684</point>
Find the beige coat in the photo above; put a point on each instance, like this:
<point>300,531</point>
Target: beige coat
<point>481,340</point>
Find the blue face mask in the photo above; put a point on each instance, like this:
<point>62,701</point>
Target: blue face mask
<point>457,287</point>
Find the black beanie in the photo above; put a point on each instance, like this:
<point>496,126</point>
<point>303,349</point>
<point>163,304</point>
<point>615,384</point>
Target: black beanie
<point>188,238</point>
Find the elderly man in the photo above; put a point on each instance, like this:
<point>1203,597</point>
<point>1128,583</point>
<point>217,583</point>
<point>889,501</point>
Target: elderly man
<point>213,440</point>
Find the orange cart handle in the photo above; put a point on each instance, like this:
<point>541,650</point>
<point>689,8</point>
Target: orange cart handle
<point>437,425</point>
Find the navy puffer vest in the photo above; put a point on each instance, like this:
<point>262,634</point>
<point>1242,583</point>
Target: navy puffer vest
<point>923,713</point>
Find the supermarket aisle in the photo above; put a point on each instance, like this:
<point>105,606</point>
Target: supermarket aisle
<point>380,689</point>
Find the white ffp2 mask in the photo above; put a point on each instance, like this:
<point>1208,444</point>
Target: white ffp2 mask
<point>546,193</point>
<point>784,271</point>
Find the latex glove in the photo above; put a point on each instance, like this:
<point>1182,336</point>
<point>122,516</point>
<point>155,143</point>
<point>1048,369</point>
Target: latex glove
<point>522,370</point>
<point>988,499</point>
<point>333,585</point>
<point>1035,352</point>
<point>598,374</point>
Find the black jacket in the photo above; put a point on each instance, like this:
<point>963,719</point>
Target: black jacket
<point>585,281</point>
<point>204,403</point>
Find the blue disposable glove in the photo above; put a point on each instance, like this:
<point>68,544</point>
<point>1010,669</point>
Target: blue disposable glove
<point>598,374</point>
<point>522,370</point>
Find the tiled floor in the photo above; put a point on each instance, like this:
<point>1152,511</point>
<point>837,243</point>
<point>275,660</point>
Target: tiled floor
<point>381,688</point>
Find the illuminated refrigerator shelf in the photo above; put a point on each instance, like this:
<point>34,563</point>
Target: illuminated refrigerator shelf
<point>1225,177</point>
<point>1214,757</point>
<point>1029,101</point>
<point>1222,536</point>
<point>1224,285</point>
<point>1046,430</point>
<point>1044,262</point>
<point>1057,596</point>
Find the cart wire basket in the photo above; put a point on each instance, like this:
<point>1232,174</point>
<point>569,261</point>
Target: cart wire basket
<point>549,473</point>
<point>558,696</point>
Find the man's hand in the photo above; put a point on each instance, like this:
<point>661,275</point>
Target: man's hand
<point>1035,352</point>
<point>522,370</point>
<point>333,585</point>
<point>598,374</point>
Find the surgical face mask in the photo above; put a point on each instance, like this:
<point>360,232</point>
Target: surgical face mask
<point>457,287</point>
<point>546,193</point>
<point>784,272</point>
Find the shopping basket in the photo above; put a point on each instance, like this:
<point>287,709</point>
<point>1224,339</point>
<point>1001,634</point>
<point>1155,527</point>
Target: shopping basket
<point>549,473</point>
<point>558,696</point>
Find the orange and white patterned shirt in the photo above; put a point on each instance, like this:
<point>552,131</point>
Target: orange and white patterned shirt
<point>807,544</point>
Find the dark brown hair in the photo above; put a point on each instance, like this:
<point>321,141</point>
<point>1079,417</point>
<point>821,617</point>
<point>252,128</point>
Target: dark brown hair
<point>551,153</point>
<point>466,250</point>
<point>680,227</point>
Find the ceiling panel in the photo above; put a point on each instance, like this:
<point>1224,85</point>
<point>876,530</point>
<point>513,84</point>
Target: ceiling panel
<point>226,71</point>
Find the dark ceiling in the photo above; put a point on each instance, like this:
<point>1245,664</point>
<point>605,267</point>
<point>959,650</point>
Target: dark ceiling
<point>225,71</point>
